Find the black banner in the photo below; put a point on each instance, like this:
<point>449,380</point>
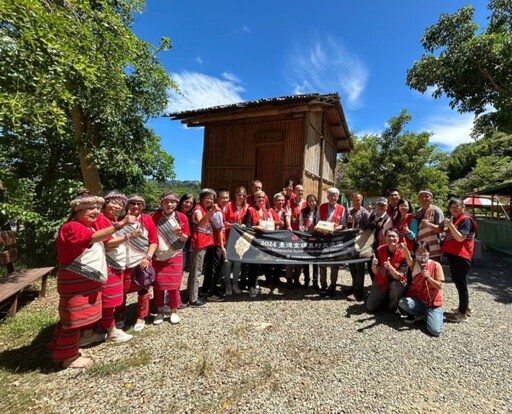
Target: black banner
<point>295,247</point>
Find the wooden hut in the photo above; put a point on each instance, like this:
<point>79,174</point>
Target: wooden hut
<point>272,140</point>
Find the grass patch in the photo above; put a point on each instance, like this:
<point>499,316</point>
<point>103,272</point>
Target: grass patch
<point>19,393</point>
<point>23,327</point>
<point>141,358</point>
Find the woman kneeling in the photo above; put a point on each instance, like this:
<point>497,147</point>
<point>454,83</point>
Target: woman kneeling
<point>424,299</point>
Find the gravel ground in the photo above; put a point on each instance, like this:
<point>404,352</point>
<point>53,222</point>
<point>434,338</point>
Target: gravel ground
<point>296,353</point>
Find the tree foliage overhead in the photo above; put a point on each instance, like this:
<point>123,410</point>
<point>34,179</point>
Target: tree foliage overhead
<point>76,78</point>
<point>76,90</point>
<point>396,158</point>
<point>472,67</point>
<point>480,164</point>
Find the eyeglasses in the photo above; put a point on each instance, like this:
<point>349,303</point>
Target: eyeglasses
<point>242,195</point>
<point>261,197</point>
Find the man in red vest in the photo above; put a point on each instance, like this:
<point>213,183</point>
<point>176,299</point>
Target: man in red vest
<point>333,213</point>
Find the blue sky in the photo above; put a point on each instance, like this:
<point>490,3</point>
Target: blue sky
<point>232,51</point>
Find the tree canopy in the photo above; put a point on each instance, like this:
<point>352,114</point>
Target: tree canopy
<point>472,67</point>
<point>395,158</point>
<point>76,90</point>
<point>75,78</point>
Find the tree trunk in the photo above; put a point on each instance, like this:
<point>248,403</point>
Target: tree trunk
<point>90,173</point>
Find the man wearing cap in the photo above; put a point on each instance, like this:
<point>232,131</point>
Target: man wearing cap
<point>430,219</point>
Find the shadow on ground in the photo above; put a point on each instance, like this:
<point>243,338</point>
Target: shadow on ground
<point>491,275</point>
<point>34,357</point>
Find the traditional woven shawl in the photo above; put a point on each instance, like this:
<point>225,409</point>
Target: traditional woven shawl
<point>169,245</point>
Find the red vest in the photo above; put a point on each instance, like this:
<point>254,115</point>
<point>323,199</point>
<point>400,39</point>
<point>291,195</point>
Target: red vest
<point>202,236</point>
<point>396,260</point>
<point>255,217</point>
<point>295,212</point>
<point>278,218</point>
<point>232,215</point>
<point>464,248</point>
<point>403,236</point>
<point>337,217</point>
<point>423,290</point>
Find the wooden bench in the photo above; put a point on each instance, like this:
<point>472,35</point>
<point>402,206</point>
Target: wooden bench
<point>15,282</point>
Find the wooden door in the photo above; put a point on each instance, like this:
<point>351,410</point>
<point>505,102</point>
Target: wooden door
<point>269,168</point>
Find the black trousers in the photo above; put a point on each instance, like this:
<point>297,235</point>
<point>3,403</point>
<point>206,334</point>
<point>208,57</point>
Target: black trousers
<point>212,269</point>
<point>459,268</point>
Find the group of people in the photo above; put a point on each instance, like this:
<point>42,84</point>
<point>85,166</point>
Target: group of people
<point>406,272</point>
<point>106,241</point>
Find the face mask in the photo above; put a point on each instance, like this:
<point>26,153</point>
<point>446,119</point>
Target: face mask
<point>422,257</point>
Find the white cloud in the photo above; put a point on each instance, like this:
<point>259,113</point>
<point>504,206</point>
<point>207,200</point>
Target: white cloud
<point>231,77</point>
<point>327,66</point>
<point>203,91</point>
<point>449,128</point>
<point>199,60</point>
<point>364,132</point>
<point>245,28</point>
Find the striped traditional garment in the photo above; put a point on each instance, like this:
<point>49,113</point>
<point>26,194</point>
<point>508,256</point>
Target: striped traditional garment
<point>425,233</point>
<point>169,245</point>
<point>91,264</point>
<point>116,257</point>
<point>77,279</point>
<point>137,247</point>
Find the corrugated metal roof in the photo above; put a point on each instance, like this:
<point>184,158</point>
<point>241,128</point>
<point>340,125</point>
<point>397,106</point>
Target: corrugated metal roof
<point>277,101</point>
<point>335,114</point>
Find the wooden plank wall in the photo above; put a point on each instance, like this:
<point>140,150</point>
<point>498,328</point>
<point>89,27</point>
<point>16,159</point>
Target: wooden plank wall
<point>230,151</point>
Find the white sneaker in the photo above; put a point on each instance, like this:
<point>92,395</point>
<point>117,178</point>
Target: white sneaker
<point>91,339</point>
<point>175,318</point>
<point>119,336</point>
<point>159,318</point>
<point>236,290</point>
<point>253,292</point>
<point>139,327</point>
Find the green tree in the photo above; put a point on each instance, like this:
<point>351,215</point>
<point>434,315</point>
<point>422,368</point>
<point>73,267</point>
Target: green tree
<point>487,172</point>
<point>76,89</point>
<point>75,78</point>
<point>472,67</point>
<point>464,157</point>
<point>396,158</point>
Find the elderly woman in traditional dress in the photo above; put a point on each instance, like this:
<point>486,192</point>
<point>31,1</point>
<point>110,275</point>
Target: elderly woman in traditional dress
<point>173,232</point>
<point>112,293</point>
<point>139,252</point>
<point>82,272</point>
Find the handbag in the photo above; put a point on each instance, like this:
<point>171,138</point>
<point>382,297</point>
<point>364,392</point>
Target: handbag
<point>143,278</point>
